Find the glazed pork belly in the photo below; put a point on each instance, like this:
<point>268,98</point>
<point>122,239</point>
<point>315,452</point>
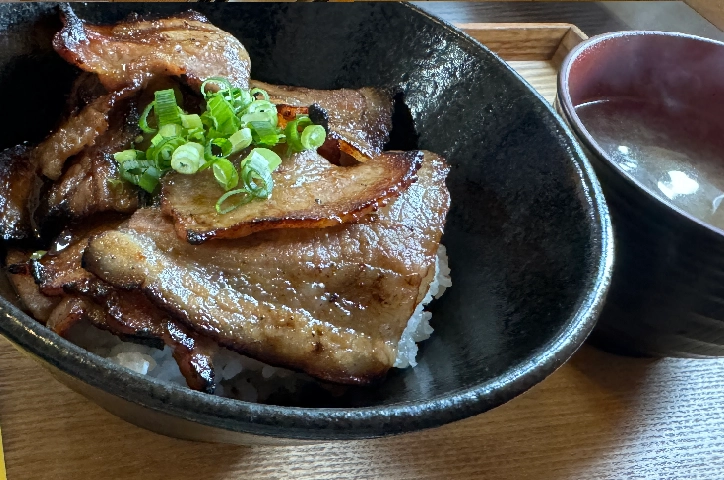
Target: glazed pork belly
<point>131,52</point>
<point>321,277</point>
<point>36,185</point>
<point>309,192</point>
<point>60,292</point>
<point>358,121</point>
<point>91,182</point>
<point>330,302</point>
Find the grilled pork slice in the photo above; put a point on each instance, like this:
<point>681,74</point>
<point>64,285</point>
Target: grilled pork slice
<point>73,309</point>
<point>76,133</point>
<point>18,271</point>
<point>129,315</point>
<point>309,192</point>
<point>58,313</point>
<point>130,52</point>
<point>359,121</point>
<point>92,183</point>
<point>59,271</point>
<point>18,189</point>
<point>331,302</point>
<point>86,88</point>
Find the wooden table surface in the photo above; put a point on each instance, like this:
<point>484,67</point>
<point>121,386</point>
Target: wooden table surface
<point>600,416</point>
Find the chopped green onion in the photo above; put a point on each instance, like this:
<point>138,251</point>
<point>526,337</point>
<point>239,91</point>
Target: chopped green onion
<point>38,255</point>
<point>141,173</point>
<point>224,120</point>
<point>265,107</point>
<point>157,139</point>
<point>265,134</point>
<point>224,147</point>
<point>247,118</point>
<point>143,120</point>
<point>171,130</point>
<point>255,169</point>
<point>261,106</point>
<point>273,160</point>
<point>303,121</point>
<point>293,136</point>
<point>291,132</point>
<point>218,81</point>
<point>242,99</point>
<point>137,166</point>
<point>191,122</point>
<point>188,158</point>
<point>246,198</point>
<point>162,151</point>
<point>259,91</point>
<point>196,135</point>
<point>313,137</point>
<point>240,140</point>
<point>149,180</point>
<point>226,174</point>
<point>234,120</point>
<point>166,110</point>
<point>127,155</point>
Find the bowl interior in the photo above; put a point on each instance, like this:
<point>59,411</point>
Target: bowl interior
<point>527,233</point>
<point>651,103</point>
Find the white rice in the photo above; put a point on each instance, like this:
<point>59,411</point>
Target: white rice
<point>244,378</point>
<point>418,326</point>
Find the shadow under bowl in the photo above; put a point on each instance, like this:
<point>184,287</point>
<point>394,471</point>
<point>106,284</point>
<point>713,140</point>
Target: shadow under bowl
<point>647,107</point>
<point>528,233</point>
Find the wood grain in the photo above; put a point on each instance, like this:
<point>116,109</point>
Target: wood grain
<point>598,417</point>
<point>515,41</point>
<point>712,10</point>
<point>535,50</point>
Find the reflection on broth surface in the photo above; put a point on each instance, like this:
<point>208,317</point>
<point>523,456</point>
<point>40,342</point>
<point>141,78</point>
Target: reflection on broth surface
<point>673,151</point>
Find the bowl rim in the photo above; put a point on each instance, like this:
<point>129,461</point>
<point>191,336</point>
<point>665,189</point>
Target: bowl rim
<point>364,422</point>
<point>575,122</point>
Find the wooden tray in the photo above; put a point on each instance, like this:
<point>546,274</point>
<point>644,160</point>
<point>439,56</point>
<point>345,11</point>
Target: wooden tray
<point>534,50</point>
<point>599,416</point>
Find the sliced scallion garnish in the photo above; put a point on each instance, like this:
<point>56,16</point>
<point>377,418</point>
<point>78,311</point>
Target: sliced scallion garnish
<point>143,120</point>
<point>166,109</point>
<point>148,180</point>
<point>188,158</point>
<point>265,134</point>
<point>293,135</point>
<point>259,91</point>
<point>256,174</point>
<point>243,193</point>
<point>221,114</point>
<point>191,122</point>
<point>240,140</point>
<point>38,254</point>
<point>313,137</point>
<point>234,120</point>
<point>218,81</point>
<point>170,130</point>
<point>226,174</point>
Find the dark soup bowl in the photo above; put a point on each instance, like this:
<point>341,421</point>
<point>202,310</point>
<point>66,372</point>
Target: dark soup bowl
<point>648,106</point>
<point>528,233</point>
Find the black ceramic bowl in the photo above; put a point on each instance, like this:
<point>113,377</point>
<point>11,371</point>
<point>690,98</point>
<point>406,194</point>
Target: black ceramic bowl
<point>648,108</point>
<point>528,234</point>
